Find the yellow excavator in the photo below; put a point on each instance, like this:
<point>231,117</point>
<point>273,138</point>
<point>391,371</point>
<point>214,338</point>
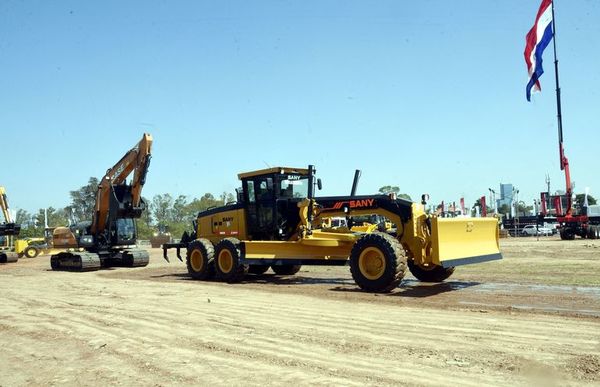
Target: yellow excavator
<point>109,239</point>
<point>8,230</point>
<point>276,223</point>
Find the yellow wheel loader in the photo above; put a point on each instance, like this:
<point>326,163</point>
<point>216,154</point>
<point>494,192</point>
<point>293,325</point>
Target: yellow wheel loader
<point>31,247</point>
<point>276,224</point>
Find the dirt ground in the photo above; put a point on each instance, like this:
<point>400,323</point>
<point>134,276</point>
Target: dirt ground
<point>532,318</point>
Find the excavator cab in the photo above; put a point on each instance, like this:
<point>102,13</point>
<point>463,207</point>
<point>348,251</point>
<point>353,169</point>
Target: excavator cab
<point>122,229</point>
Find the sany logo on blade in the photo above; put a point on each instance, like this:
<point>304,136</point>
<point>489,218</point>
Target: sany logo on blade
<point>362,203</point>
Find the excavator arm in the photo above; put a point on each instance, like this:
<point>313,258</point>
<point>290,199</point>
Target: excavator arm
<point>135,160</point>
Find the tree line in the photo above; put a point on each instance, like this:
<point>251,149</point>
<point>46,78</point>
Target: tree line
<point>163,212</point>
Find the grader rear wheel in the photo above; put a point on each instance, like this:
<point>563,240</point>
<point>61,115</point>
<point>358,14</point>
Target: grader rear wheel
<point>258,269</point>
<point>430,273</point>
<point>228,266</point>
<point>377,262</point>
<point>286,269</point>
<point>200,260</point>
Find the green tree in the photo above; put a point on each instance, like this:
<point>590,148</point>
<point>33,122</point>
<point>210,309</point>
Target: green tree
<point>162,208</point>
<point>23,218</point>
<point>206,201</point>
<point>579,199</point>
<point>386,189</point>
<point>504,209</point>
<point>523,209</point>
<point>489,209</point>
<point>36,225</point>
<point>180,212</point>
<point>144,223</point>
<point>83,201</point>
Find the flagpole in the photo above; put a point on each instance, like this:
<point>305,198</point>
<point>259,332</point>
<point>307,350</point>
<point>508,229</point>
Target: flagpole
<point>558,107</point>
<point>564,162</point>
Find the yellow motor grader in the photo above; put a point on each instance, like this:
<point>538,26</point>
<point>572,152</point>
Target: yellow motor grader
<point>276,223</point>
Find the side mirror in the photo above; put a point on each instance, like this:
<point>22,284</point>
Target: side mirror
<point>319,184</point>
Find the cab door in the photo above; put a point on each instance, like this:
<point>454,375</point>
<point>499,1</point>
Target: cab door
<point>261,207</point>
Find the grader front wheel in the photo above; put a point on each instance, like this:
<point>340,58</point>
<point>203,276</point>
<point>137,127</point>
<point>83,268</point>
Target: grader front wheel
<point>286,269</point>
<point>377,262</point>
<point>430,273</point>
<point>258,269</point>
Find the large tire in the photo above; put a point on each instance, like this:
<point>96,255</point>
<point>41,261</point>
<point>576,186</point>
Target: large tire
<point>567,234</point>
<point>258,269</point>
<point>431,273</point>
<point>54,262</point>
<point>590,232</point>
<point>286,269</point>
<point>200,259</point>
<point>227,261</point>
<point>377,262</point>
<point>31,252</point>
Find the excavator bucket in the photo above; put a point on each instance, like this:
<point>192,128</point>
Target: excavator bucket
<point>462,241</point>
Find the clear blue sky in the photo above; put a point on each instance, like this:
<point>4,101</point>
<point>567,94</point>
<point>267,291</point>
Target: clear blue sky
<point>425,95</point>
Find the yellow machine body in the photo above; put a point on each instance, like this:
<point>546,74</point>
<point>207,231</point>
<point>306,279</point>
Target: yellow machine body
<point>275,223</point>
<point>456,241</point>
<point>229,223</point>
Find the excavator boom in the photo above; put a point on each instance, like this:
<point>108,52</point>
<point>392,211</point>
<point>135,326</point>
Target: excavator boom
<point>136,160</point>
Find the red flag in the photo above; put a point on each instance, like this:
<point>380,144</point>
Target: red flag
<point>483,206</point>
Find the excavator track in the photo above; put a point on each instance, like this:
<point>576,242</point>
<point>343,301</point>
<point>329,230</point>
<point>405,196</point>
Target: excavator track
<point>80,261</point>
<point>128,258</point>
<point>8,256</point>
<point>135,258</point>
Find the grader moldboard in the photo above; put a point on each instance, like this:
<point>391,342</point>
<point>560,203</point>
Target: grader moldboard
<point>276,222</point>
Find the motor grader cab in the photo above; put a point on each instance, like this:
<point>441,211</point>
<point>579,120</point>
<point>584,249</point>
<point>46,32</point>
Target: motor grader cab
<point>110,238</point>
<point>276,223</point>
<point>8,230</point>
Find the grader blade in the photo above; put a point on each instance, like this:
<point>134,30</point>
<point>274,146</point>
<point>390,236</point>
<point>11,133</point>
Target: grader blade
<point>462,241</point>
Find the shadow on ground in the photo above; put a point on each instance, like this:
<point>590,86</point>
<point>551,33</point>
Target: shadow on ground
<point>417,289</point>
<point>267,279</point>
